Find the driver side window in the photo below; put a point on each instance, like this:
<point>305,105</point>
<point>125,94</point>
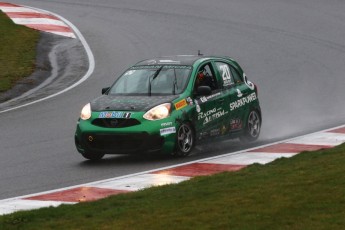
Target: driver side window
<point>206,77</point>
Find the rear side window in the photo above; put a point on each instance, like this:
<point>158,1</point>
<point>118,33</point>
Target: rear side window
<point>225,74</point>
<point>236,75</point>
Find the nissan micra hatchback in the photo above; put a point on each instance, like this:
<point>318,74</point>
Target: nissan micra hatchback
<point>168,105</point>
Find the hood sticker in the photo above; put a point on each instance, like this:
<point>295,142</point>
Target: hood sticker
<point>181,104</point>
<point>115,115</point>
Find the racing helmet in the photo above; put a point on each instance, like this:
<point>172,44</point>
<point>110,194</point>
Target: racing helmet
<point>201,75</point>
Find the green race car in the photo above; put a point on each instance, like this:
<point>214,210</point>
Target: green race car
<point>169,104</point>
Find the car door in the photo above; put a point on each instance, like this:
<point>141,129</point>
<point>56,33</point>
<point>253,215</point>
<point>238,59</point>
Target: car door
<point>208,107</point>
<point>248,93</point>
<point>233,92</point>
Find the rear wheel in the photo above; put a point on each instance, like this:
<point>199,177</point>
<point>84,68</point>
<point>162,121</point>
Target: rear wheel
<point>185,140</point>
<point>92,156</point>
<point>253,127</point>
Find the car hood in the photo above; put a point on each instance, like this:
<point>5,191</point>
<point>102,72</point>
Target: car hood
<point>129,103</point>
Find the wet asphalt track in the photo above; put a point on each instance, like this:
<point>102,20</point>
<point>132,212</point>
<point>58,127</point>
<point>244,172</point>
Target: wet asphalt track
<point>293,50</point>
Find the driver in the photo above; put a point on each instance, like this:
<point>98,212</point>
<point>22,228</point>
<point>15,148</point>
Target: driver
<point>203,79</point>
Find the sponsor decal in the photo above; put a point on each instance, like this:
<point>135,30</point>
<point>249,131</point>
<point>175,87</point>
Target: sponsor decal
<point>167,131</point>
<point>202,115</point>
<point>214,132</point>
<point>197,106</point>
<point>205,99</point>
<point>213,95</point>
<point>198,109</point>
<point>239,93</point>
<point>243,101</point>
<point>167,124</point>
<point>189,100</point>
<point>127,115</point>
<point>181,104</point>
<point>235,124</point>
<point>214,116</point>
<point>211,115</point>
<point>211,133</point>
<point>115,115</point>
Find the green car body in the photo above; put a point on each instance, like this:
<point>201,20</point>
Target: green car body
<point>169,104</point>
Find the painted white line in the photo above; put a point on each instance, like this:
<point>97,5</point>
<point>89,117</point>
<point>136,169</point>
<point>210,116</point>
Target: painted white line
<point>91,184</point>
<point>14,205</point>
<point>325,138</point>
<point>142,180</point>
<point>138,182</point>
<point>40,21</point>
<point>18,9</point>
<point>248,158</point>
<point>84,78</point>
<point>65,34</point>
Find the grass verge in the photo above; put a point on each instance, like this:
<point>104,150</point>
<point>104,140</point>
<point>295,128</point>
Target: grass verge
<point>17,52</point>
<point>303,192</point>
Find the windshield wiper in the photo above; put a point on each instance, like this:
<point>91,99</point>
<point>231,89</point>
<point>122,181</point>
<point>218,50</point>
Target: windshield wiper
<point>153,78</point>
<point>175,83</point>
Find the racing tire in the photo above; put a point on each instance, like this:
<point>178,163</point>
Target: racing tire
<point>92,156</point>
<point>185,140</point>
<point>253,127</point>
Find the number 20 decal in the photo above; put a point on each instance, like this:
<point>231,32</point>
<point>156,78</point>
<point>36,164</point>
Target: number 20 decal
<point>247,82</point>
<point>226,75</point>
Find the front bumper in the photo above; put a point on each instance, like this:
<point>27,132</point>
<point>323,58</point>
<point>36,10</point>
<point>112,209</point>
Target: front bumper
<point>138,138</point>
<point>107,143</point>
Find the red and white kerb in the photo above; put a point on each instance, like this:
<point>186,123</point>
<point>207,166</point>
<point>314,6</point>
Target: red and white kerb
<point>36,19</point>
<point>175,174</point>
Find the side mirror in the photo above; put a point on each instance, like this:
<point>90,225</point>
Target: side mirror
<point>204,90</point>
<point>104,90</point>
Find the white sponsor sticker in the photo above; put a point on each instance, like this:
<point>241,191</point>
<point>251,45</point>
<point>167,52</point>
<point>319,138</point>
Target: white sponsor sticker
<point>167,131</point>
<point>167,124</point>
<point>243,101</point>
<point>214,116</point>
<point>239,93</point>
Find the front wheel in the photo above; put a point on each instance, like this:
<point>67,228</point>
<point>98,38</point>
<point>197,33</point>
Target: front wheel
<point>185,140</point>
<point>92,156</point>
<point>253,127</point>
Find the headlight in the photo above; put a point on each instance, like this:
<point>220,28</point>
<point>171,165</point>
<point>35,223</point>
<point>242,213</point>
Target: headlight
<point>86,112</point>
<point>158,112</point>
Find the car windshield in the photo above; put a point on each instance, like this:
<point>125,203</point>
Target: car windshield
<point>152,80</point>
